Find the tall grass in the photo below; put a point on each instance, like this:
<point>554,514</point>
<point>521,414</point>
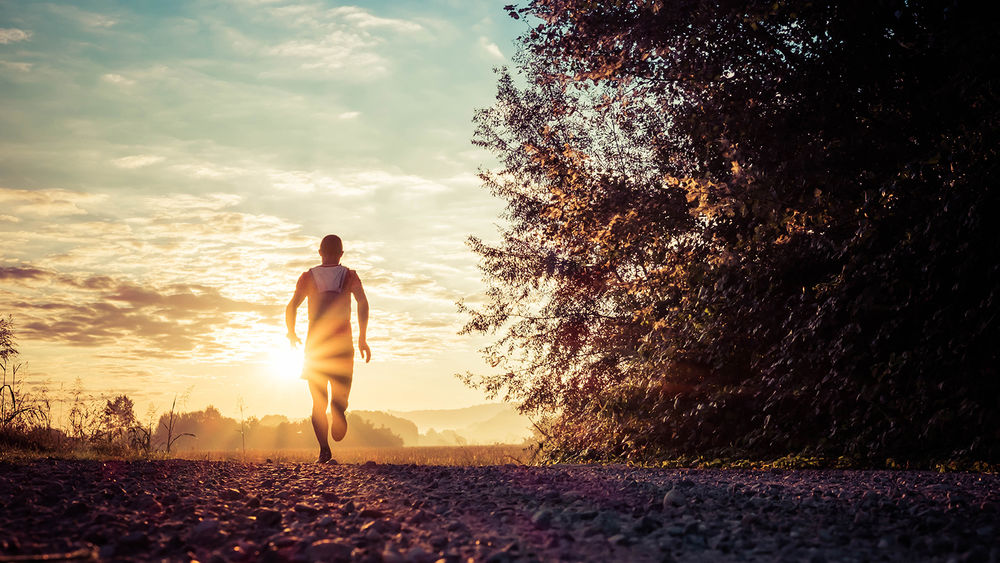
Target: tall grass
<point>420,455</point>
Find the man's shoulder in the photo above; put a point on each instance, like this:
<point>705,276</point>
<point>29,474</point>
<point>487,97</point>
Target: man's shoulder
<point>305,278</point>
<point>351,279</point>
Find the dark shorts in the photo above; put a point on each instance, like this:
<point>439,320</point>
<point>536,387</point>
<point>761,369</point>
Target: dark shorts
<point>330,361</point>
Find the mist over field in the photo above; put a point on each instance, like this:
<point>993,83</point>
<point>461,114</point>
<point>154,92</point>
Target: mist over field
<point>210,431</point>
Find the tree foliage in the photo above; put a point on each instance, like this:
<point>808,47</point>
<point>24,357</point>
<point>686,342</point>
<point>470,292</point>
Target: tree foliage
<point>209,429</point>
<point>756,227</point>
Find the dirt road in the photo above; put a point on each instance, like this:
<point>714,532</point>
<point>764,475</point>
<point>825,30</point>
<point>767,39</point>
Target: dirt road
<point>224,511</point>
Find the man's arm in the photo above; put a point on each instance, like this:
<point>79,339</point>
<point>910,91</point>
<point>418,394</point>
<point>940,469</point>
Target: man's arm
<point>290,310</point>
<point>359,295</point>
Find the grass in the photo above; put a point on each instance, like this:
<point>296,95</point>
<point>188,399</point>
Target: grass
<point>24,455</point>
<point>24,447</point>
<point>427,455</point>
<point>802,461</point>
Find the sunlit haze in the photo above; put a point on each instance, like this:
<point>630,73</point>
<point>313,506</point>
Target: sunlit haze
<point>168,169</point>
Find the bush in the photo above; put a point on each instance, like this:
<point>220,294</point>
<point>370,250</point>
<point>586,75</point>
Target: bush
<point>747,227</point>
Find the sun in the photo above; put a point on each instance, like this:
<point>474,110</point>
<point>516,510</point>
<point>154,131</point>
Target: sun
<point>285,362</point>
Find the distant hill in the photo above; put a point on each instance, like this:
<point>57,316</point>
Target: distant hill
<point>273,420</point>
<point>480,424</point>
<point>213,431</point>
<point>443,438</point>
<point>452,418</point>
<point>505,427</point>
<point>401,427</point>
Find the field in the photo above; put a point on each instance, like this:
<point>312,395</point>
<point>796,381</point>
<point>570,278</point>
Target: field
<point>427,455</point>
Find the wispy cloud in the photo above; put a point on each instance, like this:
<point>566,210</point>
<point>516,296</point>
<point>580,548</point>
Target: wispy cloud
<point>117,79</point>
<point>83,17</point>
<point>341,182</point>
<point>13,35</point>
<point>364,19</point>
<point>343,40</point>
<point>136,161</point>
<point>102,311</point>
<point>491,48</point>
<point>338,50</point>
<point>18,66</point>
<point>46,202</point>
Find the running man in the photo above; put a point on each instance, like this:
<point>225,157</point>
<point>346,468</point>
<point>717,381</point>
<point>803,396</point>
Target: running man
<point>329,350</point>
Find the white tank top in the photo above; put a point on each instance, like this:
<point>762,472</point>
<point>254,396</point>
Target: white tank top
<point>329,278</point>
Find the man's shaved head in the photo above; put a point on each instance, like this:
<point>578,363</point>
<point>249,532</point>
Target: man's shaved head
<point>331,246</point>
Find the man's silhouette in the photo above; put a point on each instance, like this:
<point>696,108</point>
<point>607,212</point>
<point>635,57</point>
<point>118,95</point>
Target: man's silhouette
<point>329,349</point>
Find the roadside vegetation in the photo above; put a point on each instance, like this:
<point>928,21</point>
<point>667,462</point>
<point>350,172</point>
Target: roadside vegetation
<point>747,230</point>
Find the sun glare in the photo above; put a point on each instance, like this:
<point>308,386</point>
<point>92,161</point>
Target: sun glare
<point>285,361</point>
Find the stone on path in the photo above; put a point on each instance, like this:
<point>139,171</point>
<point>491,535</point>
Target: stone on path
<point>329,550</point>
<point>673,498</point>
<point>542,519</point>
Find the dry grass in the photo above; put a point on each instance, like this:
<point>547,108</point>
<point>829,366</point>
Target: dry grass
<point>431,455</point>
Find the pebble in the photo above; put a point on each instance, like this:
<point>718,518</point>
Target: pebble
<point>673,498</point>
<point>230,494</point>
<point>417,554</point>
<point>542,519</point>
<point>268,517</point>
<point>77,508</point>
<point>608,522</point>
<point>329,550</point>
<point>134,540</point>
<point>647,524</point>
<point>618,539</point>
<point>304,512</point>
<point>205,528</point>
<point>306,509</point>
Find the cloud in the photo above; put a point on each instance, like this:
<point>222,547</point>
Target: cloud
<point>117,79</point>
<point>161,240</point>
<point>192,203</point>
<point>408,286</point>
<point>46,202</point>
<point>349,114</point>
<point>342,40</point>
<point>136,161</point>
<point>19,67</point>
<point>343,182</point>
<point>21,273</point>
<point>364,19</point>
<point>491,48</point>
<point>13,35</point>
<point>83,17</point>
<point>209,170</point>
<point>337,51</point>
<point>81,310</point>
<point>314,181</point>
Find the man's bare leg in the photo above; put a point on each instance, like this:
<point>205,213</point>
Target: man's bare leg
<point>340,389</point>
<point>319,420</point>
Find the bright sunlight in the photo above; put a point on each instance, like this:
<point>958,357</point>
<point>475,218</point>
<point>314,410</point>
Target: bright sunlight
<point>286,361</point>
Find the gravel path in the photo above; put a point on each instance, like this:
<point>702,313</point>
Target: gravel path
<point>224,511</point>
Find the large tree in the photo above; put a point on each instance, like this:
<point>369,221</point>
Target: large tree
<point>760,227</point>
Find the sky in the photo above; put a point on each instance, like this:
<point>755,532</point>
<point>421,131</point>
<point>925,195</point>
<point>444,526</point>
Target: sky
<point>167,170</point>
